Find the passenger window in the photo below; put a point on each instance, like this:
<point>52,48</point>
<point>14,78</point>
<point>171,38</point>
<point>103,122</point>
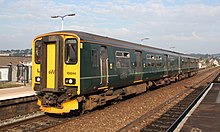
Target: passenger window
<point>38,52</point>
<point>153,60</point>
<point>158,57</point>
<point>71,51</point>
<point>152,57</point>
<point>148,56</point>
<point>118,54</point>
<point>122,59</point>
<point>152,64</point>
<point>159,63</point>
<point>94,58</point>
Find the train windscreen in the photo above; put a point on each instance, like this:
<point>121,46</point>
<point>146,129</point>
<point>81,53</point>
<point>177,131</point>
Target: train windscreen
<point>71,51</point>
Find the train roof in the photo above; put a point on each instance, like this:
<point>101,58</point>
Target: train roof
<point>120,43</point>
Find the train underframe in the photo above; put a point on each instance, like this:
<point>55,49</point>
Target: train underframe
<point>93,101</point>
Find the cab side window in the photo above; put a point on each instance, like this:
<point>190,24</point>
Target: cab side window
<point>38,52</point>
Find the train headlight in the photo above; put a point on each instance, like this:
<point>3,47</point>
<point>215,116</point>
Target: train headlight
<point>37,79</point>
<point>70,81</point>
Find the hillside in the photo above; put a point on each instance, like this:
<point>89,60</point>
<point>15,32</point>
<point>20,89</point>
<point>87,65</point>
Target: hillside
<point>203,56</point>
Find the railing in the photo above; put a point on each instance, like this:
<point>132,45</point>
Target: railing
<point>20,73</point>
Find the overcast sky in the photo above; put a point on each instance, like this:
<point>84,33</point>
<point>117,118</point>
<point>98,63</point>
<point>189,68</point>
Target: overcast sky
<point>191,26</point>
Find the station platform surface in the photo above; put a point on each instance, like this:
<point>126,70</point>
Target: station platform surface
<point>206,117</point>
<point>16,92</point>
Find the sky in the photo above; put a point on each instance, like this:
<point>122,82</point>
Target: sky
<point>186,26</point>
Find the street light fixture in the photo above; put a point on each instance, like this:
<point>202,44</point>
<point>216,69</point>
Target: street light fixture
<point>173,47</point>
<point>144,39</point>
<point>62,17</point>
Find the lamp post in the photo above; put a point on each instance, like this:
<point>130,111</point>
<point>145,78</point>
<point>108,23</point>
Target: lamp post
<point>62,17</point>
<point>144,39</point>
<point>173,47</point>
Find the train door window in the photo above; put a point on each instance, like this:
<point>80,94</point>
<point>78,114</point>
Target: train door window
<point>172,61</point>
<point>138,59</point>
<point>191,62</point>
<point>94,58</point>
<point>38,52</point>
<point>71,51</point>
<point>166,64</point>
<point>186,62</point>
<point>183,62</point>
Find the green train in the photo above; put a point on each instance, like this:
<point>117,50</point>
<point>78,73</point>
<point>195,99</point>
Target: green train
<point>75,70</point>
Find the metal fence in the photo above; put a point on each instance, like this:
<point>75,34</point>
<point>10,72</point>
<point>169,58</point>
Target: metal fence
<point>5,73</point>
<point>20,73</point>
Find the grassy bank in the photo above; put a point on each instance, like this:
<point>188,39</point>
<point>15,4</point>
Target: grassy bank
<point>9,85</point>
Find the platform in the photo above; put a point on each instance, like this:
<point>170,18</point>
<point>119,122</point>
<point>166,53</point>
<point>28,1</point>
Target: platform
<point>10,93</point>
<point>206,117</point>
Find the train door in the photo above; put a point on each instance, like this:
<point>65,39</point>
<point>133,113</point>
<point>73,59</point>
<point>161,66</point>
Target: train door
<point>51,66</point>
<point>138,66</point>
<point>166,65</point>
<point>188,63</point>
<point>179,65</point>
<point>104,66</point>
<point>51,53</point>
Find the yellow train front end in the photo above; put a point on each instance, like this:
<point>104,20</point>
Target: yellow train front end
<point>56,71</point>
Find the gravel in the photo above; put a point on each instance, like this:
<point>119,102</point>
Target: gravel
<point>116,116</point>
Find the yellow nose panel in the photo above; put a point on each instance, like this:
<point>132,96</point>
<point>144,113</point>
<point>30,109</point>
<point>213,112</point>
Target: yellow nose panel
<point>51,48</point>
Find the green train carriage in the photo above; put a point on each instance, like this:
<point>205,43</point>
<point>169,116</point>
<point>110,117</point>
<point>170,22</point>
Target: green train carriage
<point>73,70</point>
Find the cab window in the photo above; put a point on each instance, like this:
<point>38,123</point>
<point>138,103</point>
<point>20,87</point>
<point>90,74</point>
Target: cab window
<point>37,52</point>
<point>71,51</point>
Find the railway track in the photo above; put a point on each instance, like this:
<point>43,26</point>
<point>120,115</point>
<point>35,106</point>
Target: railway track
<point>37,123</point>
<point>169,120</point>
<point>42,121</point>
<point>22,114</point>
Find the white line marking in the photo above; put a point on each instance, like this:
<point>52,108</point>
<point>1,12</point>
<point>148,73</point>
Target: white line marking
<point>218,98</point>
